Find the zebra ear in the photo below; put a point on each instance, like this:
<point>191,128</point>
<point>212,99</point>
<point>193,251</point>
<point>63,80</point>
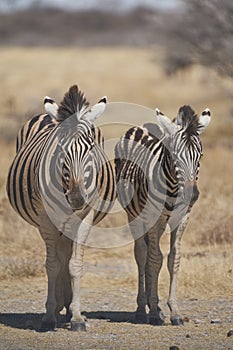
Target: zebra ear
<point>164,122</point>
<point>97,109</point>
<point>204,120</point>
<point>50,107</point>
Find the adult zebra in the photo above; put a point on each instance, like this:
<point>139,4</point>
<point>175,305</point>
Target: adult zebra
<point>157,168</point>
<point>62,182</point>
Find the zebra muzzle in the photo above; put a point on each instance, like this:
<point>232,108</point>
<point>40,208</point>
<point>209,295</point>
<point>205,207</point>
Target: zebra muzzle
<point>76,197</point>
<point>190,192</point>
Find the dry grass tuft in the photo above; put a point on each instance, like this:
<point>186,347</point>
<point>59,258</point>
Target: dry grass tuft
<point>21,247</point>
<point>221,233</point>
<point>207,275</point>
<point>14,267</point>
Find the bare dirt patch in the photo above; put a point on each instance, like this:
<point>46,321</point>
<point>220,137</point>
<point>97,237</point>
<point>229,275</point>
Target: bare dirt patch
<point>109,311</point>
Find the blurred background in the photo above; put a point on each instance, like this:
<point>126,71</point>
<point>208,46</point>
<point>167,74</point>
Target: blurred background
<point>153,53</point>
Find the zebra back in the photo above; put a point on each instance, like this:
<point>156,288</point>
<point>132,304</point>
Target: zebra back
<point>139,147</point>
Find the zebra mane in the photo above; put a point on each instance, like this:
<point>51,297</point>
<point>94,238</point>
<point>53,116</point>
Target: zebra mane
<point>74,101</point>
<point>189,121</point>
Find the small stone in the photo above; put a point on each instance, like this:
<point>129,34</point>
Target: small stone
<point>174,347</point>
<point>186,319</point>
<point>230,333</point>
<point>188,336</point>
<point>197,321</point>
<point>215,321</point>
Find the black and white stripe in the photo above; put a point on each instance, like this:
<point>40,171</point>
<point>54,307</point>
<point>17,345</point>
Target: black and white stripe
<point>61,175</point>
<point>22,180</point>
<point>157,168</point>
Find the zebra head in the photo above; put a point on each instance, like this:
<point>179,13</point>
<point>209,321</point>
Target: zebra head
<point>185,148</point>
<point>79,145</point>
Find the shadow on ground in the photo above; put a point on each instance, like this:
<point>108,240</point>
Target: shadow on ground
<point>111,316</point>
<point>33,320</point>
<point>21,320</point>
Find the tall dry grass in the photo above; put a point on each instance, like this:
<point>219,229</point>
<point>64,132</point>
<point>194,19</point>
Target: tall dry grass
<point>123,74</point>
<point>130,75</point>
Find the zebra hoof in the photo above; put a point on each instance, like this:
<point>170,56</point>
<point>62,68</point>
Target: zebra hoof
<point>68,316</point>
<point>177,321</point>
<point>161,315</point>
<point>78,326</point>
<point>47,326</point>
<point>141,317</point>
<point>156,321</point>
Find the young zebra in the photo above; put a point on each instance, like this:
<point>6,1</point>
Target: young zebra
<point>157,168</point>
<point>62,182</point>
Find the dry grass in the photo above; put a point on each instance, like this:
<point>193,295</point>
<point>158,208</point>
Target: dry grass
<point>131,75</point>
<point>127,74</point>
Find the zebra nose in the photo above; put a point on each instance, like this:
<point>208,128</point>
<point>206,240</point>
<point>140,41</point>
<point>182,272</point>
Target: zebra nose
<point>191,192</point>
<point>76,198</point>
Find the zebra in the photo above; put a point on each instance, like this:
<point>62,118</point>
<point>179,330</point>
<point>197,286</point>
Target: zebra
<point>157,169</point>
<point>60,165</point>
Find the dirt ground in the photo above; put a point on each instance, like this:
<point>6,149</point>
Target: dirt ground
<point>109,308</point>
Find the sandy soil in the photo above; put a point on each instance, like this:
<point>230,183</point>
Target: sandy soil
<point>109,310</point>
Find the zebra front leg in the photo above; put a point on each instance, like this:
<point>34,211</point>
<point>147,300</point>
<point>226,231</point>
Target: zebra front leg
<point>67,293</point>
<point>50,237</point>
<point>76,269</point>
<point>153,267</point>
<point>173,264</point>
<point>63,284</point>
<point>140,253</point>
<point>64,292</point>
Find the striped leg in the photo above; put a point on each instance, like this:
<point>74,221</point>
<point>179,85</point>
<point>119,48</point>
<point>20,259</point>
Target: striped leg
<point>153,267</point>
<point>50,236</point>
<point>76,269</point>
<point>67,283</point>
<point>140,253</point>
<point>63,283</point>
<point>173,264</point>
<point>67,292</point>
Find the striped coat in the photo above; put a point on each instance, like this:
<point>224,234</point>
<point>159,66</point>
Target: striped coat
<point>157,168</point>
<point>62,182</point>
